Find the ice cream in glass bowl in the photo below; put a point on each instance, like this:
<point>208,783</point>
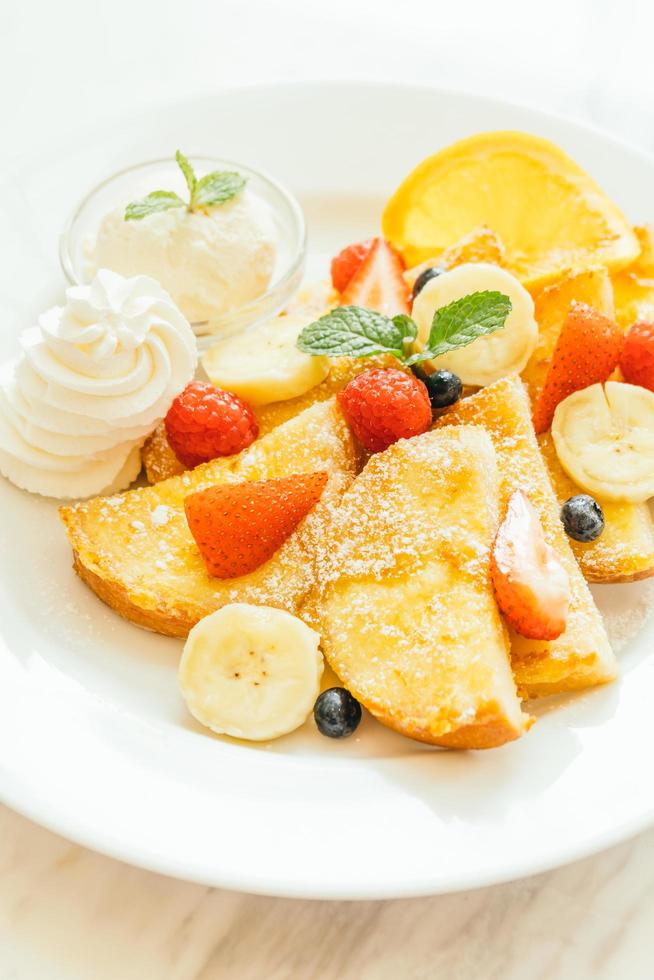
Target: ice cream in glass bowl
<point>226,242</point>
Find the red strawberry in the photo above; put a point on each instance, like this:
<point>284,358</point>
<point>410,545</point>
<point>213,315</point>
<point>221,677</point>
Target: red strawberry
<point>347,262</point>
<point>204,422</point>
<point>587,351</point>
<point>378,283</point>
<point>239,527</point>
<point>531,585</point>
<point>383,406</point>
<point>637,361</point>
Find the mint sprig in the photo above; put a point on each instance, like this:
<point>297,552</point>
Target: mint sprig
<point>353,331</point>
<point>212,189</point>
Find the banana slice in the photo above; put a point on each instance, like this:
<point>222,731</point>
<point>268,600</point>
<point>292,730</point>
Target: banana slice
<point>264,365</point>
<point>604,438</point>
<point>251,671</point>
<point>488,358</point>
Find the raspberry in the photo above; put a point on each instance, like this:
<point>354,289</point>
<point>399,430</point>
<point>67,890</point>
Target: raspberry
<point>383,406</point>
<point>204,422</point>
<point>637,361</point>
<point>239,527</point>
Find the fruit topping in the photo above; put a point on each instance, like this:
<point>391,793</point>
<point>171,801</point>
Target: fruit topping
<point>491,357</point>
<point>548,212</point>
<point>239,527</point>
<point>431,272</point>
<point>383,406</point>
<point>204,422</point>
<point>265,366</point>
<point>531,586</point>
<point>347,263</point>
<point>337,713</point>
<point>604,438</point>
<point>637,360</point>
<point>251,671</point>
<point>443,388</point>
<point>378,283</point>
<point>582,517</point>
<point>587,351</point>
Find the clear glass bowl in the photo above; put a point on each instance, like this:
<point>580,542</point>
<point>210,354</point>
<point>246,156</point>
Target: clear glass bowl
<point>127,185</point>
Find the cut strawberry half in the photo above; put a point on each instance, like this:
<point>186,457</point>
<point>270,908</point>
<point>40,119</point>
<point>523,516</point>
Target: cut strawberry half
<point>348,262</point>
<point>378,284</point>
<point>587,351</point>
<point>238,527</point>
<point>531,585</point>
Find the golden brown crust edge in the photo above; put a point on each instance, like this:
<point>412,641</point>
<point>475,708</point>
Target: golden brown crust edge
<point>117,598</point>
<point>489,730</point>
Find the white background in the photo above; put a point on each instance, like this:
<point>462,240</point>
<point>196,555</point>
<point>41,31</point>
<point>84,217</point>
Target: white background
<point>66,914</point>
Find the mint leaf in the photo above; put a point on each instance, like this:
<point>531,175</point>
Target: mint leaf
<point>407,325</point>
<point>216,188</point>
<point>156,201</point>
<point>353,331</point>
<point>459,323</point>
<point>187,170</point>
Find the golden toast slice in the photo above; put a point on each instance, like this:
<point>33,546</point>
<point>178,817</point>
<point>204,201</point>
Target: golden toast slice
<point>625,550</point>
<point>136,552</point>
<point>161,463</point>
<point>406,608</point>
<point>582,655</point>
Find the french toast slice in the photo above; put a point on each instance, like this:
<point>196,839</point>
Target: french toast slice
<point>624,551</point>
<point>405,605</point>
<point>136,552</point>
<point>161,463</point>
<point>581,656</point>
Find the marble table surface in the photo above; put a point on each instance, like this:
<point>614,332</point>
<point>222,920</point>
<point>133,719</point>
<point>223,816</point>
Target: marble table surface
<point>69,914</point>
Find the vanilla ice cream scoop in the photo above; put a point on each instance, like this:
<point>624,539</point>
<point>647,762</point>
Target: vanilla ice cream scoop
<point>211,261</point>
<point>94,378</point>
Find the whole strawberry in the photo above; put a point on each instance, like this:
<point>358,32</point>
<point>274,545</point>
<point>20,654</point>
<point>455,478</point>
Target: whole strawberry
<point>637,361</point>
<point>204,422</point>
<point>238,527</point>
<point>383,406</point>
<point>587,351</point>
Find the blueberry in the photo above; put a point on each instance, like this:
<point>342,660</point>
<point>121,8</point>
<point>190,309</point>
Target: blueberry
<point>582,517</point>
<point>424,278</point>
<point>337,713</point>
<point>443,388</point>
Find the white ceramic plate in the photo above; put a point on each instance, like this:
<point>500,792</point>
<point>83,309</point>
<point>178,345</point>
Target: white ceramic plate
<point>94,740</point>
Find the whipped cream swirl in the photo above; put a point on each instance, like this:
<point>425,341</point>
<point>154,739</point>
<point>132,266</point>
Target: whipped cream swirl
<point>93,380</point>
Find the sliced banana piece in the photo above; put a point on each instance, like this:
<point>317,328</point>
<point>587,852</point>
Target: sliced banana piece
<point>265,365</point>
<point>604,438</point>
<point>491,357</point>
<point>252,672</point>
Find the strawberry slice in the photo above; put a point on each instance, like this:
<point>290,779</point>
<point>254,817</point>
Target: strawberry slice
<point>347,263</point>
<point>587,351</point>
<point>240,527</point>
<point>531,585</point>
<point>378,284</point>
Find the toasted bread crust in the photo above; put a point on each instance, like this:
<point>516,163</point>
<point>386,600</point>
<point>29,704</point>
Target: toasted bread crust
<point>581,656</point>
<point>115,595</point>
<point>405,605</point>
<point>136,552</point>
